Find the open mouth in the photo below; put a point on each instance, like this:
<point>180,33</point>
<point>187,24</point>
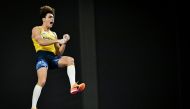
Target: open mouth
<point>51,22</point>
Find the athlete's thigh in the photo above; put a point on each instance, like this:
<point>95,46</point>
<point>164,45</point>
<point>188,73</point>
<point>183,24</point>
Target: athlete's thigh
<point>41,67</point>
<point>42,73</point>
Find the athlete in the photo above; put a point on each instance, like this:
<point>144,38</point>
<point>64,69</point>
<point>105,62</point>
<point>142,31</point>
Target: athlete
<point>49,51</point>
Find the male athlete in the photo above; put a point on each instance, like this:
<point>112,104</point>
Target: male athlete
<point>49,50</point>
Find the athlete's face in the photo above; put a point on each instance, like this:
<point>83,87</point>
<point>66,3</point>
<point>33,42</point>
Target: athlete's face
<point>49,20</point>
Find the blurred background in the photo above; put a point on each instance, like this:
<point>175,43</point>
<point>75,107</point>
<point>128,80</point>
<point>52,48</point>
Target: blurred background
<point>130,54</point>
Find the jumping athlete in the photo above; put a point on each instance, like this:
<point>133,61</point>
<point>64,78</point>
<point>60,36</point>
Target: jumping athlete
<point>49,51</point>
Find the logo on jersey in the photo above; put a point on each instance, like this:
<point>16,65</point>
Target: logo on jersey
<point>46,36</point>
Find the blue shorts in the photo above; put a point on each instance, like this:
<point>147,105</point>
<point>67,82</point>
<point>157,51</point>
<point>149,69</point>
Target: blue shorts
<point>47,59</point>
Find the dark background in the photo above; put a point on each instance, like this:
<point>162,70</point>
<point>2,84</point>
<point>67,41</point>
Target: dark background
<point>138,47</point>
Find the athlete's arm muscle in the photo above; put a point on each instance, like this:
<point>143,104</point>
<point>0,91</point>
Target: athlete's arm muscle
<point>36,35</point>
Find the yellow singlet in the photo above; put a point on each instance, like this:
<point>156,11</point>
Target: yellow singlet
<point>48,36</point>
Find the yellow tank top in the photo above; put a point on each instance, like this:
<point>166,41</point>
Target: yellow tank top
<point>48,36</point>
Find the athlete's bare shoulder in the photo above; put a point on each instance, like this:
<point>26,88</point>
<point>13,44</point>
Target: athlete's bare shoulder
<point>35,31</point>
<point>36,28</point>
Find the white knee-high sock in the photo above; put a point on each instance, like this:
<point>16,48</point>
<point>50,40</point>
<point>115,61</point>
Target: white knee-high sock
<point>36,95</point>
<point>71,74</point>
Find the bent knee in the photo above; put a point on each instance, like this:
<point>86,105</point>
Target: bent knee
<point>70,60</point>
<point>66,61</point>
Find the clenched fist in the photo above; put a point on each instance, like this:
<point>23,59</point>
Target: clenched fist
<point>66,37</point>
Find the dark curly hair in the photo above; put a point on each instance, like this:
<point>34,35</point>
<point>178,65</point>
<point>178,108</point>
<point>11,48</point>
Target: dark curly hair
<point>44,10</point>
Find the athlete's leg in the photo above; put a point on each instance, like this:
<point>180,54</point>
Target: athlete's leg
<point>42,75</point>
<point>69,63</point>
<point>66,61</point>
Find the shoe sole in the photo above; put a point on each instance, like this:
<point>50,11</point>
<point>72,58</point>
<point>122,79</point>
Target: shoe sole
<point>74,91</point>
<point>80,89</point>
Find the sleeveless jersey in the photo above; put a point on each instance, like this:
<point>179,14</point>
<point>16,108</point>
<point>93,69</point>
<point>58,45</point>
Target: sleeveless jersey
<point>47,36</point>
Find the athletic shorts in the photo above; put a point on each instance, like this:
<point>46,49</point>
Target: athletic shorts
<point>46,59</point>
